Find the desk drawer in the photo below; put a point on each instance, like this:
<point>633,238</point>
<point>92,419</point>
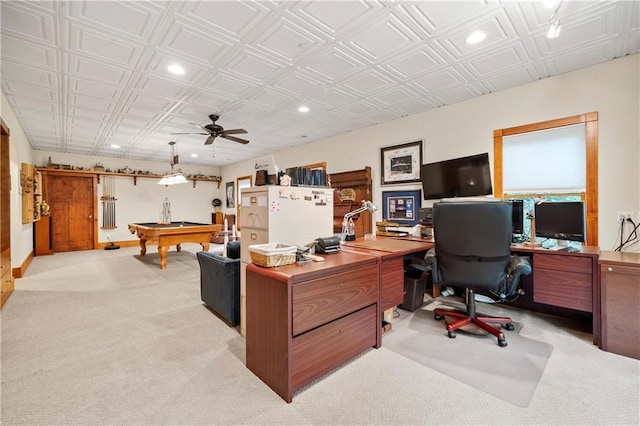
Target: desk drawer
<point>563,263</point>
<point>320,301</point>
<point>251,236</point>
<point>255,211</point>
<point>321,350</point>
<point>561,288</point>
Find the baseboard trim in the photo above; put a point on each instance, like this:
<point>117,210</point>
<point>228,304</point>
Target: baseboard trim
<point>129,243</point>
<point>22,269</point>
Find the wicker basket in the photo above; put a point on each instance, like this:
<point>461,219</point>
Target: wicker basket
<point>272,254</point>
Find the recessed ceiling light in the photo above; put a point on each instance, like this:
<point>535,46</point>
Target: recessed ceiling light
<point>194,155</point>
<point>549,4</point>
<point>303,108</point>
<point>476,37</point>
<point>114,146</point>
<point>176,69</point>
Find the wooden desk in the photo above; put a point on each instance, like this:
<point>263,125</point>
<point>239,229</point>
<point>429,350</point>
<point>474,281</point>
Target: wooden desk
<point>562,283</point>
<point>390,253</point>
<point>165,235</point>
<point>620,290</point>
<point>304,320</point>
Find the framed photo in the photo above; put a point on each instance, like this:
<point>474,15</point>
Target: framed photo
<point>231,195</point>
<point>401,163</point>
<point>401,206</point>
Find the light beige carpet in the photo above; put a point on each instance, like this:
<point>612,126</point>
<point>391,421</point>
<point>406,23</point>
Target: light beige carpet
<point>101,337</point>
<point>510,373</point>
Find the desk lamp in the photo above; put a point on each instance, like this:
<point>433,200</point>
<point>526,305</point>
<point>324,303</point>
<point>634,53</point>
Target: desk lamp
<point>348,227</point>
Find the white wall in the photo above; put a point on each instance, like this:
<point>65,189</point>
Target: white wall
<point>612,89</point>
<point>19,152</point>
<point>141,202</point>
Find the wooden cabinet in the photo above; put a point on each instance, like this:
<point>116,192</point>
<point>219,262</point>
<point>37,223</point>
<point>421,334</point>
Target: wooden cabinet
<point>620,295</point>
<point>304,320</point>
<point>350,190</point>
<point>7,283</point>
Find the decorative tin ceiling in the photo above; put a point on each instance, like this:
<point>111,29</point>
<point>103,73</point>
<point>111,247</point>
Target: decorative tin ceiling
<point>83,75</point>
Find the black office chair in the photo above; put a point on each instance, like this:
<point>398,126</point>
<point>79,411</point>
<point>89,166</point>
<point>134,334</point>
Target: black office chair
<point>473,251</point>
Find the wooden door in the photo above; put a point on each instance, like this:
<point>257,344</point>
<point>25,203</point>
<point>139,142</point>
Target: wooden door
<point>6,278</point>
<point>73,217</point>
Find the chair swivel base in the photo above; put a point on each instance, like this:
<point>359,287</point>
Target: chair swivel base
<point>481,321</point>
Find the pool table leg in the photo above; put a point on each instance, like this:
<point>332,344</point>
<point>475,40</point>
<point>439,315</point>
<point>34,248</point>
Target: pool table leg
<point>143,247</point>
<point>162,250</point>
<point>205,245</point>
<point>178,247</point>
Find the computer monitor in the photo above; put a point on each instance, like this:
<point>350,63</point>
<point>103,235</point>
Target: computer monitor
<point>517,217</point>
<point>564,221</point>
<point>425,216</point>
<point>459,177</point>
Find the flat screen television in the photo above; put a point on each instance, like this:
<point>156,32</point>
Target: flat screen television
<point>517,217</point>
<point>459,177</point>
<point>564,221</point>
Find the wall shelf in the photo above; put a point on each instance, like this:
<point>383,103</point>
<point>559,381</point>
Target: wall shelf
<point>135,176</point>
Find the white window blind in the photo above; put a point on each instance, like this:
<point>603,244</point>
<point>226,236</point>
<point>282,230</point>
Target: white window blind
<point>551,160</point>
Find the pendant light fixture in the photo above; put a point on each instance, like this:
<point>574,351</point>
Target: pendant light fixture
<point>173,178</point>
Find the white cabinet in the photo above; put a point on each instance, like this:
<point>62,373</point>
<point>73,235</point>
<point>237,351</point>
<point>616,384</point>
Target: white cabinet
<point>281,214</point>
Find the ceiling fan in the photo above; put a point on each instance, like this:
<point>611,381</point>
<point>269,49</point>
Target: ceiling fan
<point>214,130</point>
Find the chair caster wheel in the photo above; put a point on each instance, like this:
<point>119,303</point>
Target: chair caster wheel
<point>452,335</point>
<point>438,317</point>
<point>502,343</point>
<point>509,326</point>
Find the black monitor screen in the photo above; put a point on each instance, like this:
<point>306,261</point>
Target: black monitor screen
<point>561,220</point>
<point>459,177</point>
<point>517,217</point>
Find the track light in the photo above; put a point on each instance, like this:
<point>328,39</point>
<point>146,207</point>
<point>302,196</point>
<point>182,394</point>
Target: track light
<point>554,29</point>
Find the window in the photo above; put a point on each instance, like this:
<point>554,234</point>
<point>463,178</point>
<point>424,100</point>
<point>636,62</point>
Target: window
<point>518,173</point>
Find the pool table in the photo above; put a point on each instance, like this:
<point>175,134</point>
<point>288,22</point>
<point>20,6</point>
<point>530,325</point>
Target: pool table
<point>167,234</point>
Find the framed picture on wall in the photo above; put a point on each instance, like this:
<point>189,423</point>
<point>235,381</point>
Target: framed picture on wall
<point>401,206</point>
<point>401,163</point>
<point>231,195</point>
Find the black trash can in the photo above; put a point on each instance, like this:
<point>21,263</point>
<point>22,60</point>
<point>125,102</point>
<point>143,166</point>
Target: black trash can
<point>415,285</point>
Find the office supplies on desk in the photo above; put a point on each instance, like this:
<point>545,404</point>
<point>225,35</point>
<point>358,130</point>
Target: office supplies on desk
<point>328,245</point>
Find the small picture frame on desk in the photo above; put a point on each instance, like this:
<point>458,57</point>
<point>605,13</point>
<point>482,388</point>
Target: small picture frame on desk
<point>401,206</point>
<point>401,163</point>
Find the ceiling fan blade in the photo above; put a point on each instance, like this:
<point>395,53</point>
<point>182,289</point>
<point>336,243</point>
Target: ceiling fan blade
<point>210,140</point>
<point>233,131</point>
<point>198,126</point>
<point>233,138</point>
<point>189,133</point>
